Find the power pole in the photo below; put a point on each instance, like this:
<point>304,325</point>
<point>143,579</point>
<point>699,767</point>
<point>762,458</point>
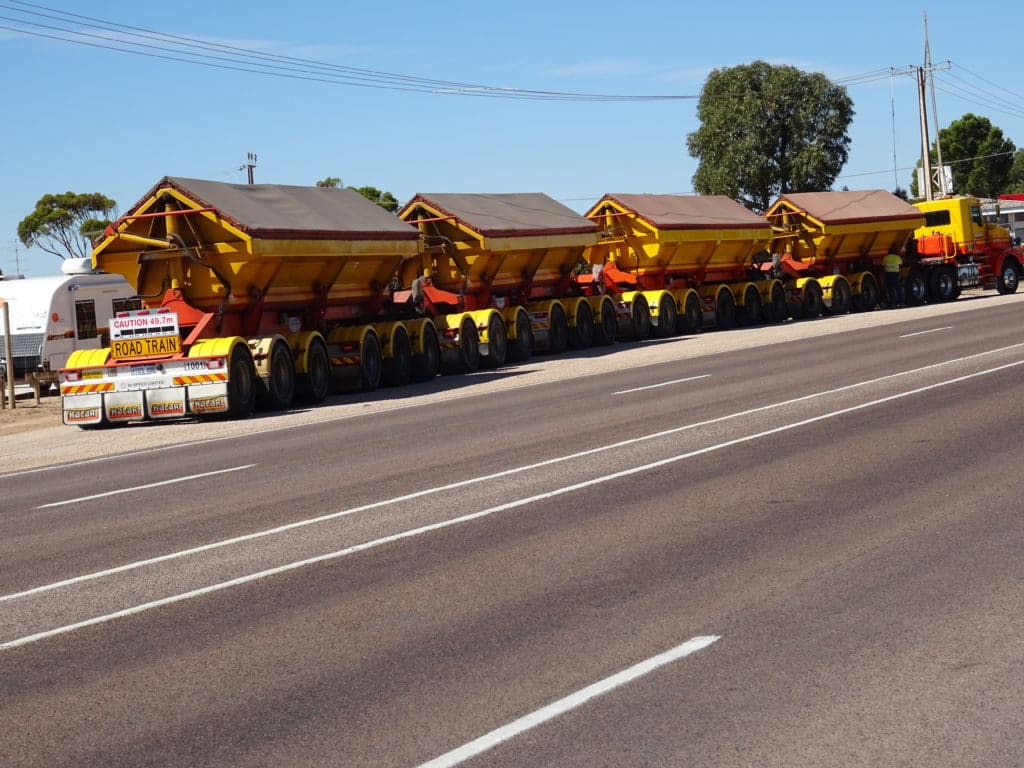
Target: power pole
<point>249,165</point>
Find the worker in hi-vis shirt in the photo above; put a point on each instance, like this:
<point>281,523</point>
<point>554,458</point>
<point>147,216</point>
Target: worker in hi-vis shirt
<point>891,263</point>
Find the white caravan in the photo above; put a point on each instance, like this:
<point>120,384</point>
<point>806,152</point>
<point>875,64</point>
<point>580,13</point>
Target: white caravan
<point>51,317</point>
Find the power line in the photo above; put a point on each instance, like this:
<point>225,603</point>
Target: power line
<point>143,42</point>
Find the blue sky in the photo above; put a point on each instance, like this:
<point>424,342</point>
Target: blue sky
<point>94,120</point>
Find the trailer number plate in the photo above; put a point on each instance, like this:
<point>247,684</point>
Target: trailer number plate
<point>145,347</point>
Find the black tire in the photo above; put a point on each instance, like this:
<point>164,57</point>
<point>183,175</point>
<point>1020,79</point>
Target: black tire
<point>812,303</point>
<point>692,316</point>
<point>558,330</point>
<point>607,329</point>
<point>1008,279</point>
<point>640,314</point>
<point>427,364</point>
<point>915,289</point>
<point>725,311</point>
<point>842,298</point>
<point>581,335</point>
<point>313,385</point>
<point>942,284</point>
<point>777,308</point>
<point>468,358</point>
<point>522,345</point>
<point>867,299</point>
<point>398,368</point>
<point>668,317</point>
<point>497,342</point>
<point>371,363</point>
<point>277,391</point>
<point>752,311</point>
<point>242,383</point>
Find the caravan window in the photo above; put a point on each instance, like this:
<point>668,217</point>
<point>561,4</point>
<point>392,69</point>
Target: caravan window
<point>126,305</point>
<point>85,319</point>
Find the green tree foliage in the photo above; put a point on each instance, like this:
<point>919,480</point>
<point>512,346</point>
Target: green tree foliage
<point>979,155</point>
<point>1015,180</point>
<point>385,200</point>
<point>766,130</point>
<point>66,224</point>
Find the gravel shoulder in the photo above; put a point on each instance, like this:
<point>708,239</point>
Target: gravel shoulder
<point>32,436</point>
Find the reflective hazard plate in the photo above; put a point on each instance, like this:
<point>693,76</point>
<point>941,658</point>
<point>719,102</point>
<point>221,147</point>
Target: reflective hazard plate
<point>145,347</point>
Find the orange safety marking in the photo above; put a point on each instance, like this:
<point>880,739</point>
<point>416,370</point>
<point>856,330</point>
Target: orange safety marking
<point>203,378</point>
<point>85,389</point>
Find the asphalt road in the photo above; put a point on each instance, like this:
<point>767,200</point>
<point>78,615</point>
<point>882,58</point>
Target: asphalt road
<point>804,552</point>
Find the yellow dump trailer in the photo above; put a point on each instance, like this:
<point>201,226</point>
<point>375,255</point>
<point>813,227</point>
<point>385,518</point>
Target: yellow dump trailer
<point>252,294</point>
<point>677,262</point>
<point>829,246</point>
<point>496,272</point>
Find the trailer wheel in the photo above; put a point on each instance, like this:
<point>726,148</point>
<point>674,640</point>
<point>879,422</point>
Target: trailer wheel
<point>522,344</point>
<point>468,358</point>
<point>427,365</point>
<point>942,284</point>
<point>241,383</point>
<point>606,330</point>
<point>915,289</point>
<point>752,310</point>
<point>397,371</point>
<point>668,317</point>
<point>725,311</point>
<point>278,390</point>
<point>497,342</point>
<point>640,318</point>
<point>777,308</point>
<point>692,317</point>
<point>371,364</point>
<point>842,298</point>
<point>558,330</point>
<point>812,304</point>
<point>867,299</point>
<point>581,336</point>
<point>313,385</point>
<point>1009,277</point>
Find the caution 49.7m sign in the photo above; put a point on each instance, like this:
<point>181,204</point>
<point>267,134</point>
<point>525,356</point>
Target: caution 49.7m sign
<point>144,333</point>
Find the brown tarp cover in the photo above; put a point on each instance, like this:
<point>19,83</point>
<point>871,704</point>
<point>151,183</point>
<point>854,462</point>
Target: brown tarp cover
<point>275,211</point>
<point>852,207</point>
<point>516,214</point>
<point>690,211</point>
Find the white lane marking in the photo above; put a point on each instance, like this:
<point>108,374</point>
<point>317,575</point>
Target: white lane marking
<point>172,481</point>
<point>439,398</point>
<point>488,512</point>
<point>922,333</point>
<point>464,483</point>
<point>662,384</point>
<point>560,707</point>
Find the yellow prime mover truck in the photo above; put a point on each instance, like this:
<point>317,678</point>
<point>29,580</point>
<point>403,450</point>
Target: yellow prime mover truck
<point>260,295</point>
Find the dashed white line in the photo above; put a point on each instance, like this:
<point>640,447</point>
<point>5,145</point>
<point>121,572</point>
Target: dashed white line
<point>930,330</point>
<point>480,479</point>
<point>662,384</point>
<point>183,479</point>
<point>486,512</point>
<point>560,707</point>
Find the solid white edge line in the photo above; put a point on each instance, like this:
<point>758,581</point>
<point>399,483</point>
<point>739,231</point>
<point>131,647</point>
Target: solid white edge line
<point>922,333</point>
<point>662,384</point>
<point>487,512</point>
<point>172,481</point>
<point>560,707</point>
<point>471,481</point>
